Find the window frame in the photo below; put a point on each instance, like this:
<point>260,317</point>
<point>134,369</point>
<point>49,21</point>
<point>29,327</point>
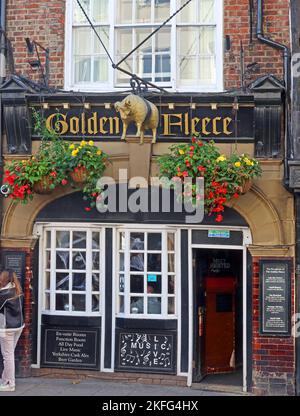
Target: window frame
<point>164,295</point>
<point>173,85</point>
<point>88,292</point>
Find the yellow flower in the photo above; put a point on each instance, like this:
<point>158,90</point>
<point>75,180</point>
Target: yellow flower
<point>237,164</point>
<point>248,162</point>
<point>181,152</point>
<point>32,158</point>
<point>72,146</point>
<point>74,153</point>
<point>99,152</point>
<point>221,159</point>
<point>83,143</point>
<point>91,143</point>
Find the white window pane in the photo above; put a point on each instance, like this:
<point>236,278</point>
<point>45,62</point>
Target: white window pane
<point>79,262</point>
<point>62,239</point>
<point>95,282</point>
<point>206,37</point>
<point>78,16</point>
<point>143,11</point>
<point>188,70</point>
<point>62,259</point>
<point>124,41</point>
<point>162,10</point>
<point>47,301</point>
<point>82,69</point>
<point>141,35</point>
<point>78,303</point>
<point>124,11</point>
<point>62,302</point>
<point>189,13</point>
<point>82,41</point>
<point>163,40</point>
<point>136,304</point>
<point>154,262</point>
<point>78,281</point>
<point>104,36</point>
<point>79,239</point>
<point>171,305</point>
<point>127,66</point>
<point>188,41</point>
<point>207,70</point>
<point>121,304</point>
<point>206,11</point>
<point>171,284</point>
<point>62,281</point>
<point>162,68</point>
<point>100,69</point>
<point>137,283</point>
<point>153,283</point>
<point>100,11</point>
<point>48,239</point>
<point>95,303</point>
<point>144,65</point>
<point>47,280</point>
<point>154,305</point>
<point>96,240</point>
<point>136,241</point>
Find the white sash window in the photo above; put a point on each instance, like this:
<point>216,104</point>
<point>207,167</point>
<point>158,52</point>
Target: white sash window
<point>186,54</point>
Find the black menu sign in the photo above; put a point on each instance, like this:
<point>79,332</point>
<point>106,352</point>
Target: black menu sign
<point>275,297</point>
<point>71,348</point>
<point>151,352</point>
<point>14,260</point>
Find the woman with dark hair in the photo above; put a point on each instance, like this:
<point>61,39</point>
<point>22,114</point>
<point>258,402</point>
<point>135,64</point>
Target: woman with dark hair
<point>11,325</point>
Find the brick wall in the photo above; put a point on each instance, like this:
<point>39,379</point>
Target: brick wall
<point>44,21</point>
<point>273,357</point>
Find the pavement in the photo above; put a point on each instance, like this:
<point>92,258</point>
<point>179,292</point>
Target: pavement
<point>38,386</point>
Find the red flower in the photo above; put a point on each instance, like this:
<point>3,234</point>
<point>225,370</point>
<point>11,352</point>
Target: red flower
<point>211,195</point>
<point>219,218</point>
<point>200,143</point>
<point>194,140</point>
<point>236,195</point>
<point>215,184</point>
<point>94,194</point>
<point>201,169</point>
<point>64,182</point>
<point>192,148</point>
<point>87,209</point>
<point>185,173</point>
<point>53,174</point>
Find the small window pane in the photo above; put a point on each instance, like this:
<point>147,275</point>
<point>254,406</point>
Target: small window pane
<point>171,267</point>
<point>121,304</point>
<point>95,240</point>
<point>122,264</point>
<point>124,41</point>
<point>62,302</point>
<point>47,260</point>
<point>143,11</point>
<point>121,283</point>
<point>78,15</point>
<point>103,32</point>
<point>62,259</point>
<point>95,303</point>
<point>137,283</point>
<point>137,305</point>
<point>122,241</point>
<point>136,262</point>
<point>154,262</point>
<point>78,303</point>
<point>100,69</point>
<point>47,301</point>
<point>153,283</point>
<point>171,305</point>
<point>96,263</point>
<point>82,41</point>
<point>48,239</point>
<point>128,66</point>
<point>47,280</point>
<point>189,13</point>
<point>79,239</point>
<point>83,65</point>
<point>154,305</point>
<point>62,239</point>
<point>62,281</point>
<point>141,35</point>
<point>79,261</point>
<point>171,284</point>
<point>95,282</point>
<point>124,11</point>
<point>78,281</point>
<point>137,241</point>
<point>100,10</point>
<point>206,11</point>
<point>171,241</point>
<point>154,241</point>
<point>162,10</point>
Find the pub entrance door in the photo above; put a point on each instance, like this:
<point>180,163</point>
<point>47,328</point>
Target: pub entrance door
<point>218,304</point>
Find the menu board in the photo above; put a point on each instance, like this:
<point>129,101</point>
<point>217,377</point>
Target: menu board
<point>71,348</point>
<point>275,299</point>
<point>146,352</point>
<point>15,260</point>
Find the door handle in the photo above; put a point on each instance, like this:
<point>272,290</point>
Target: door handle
<point>200,321</point>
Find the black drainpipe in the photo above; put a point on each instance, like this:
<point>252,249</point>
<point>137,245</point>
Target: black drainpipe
<point>3,25</point>
<point>287,82</point>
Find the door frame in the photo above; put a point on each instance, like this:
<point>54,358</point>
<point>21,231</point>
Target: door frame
<point>247,240</point>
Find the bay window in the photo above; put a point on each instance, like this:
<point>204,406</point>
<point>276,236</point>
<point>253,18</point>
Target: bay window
<point>186,54</point>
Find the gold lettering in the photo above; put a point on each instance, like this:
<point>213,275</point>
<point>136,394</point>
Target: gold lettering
<point>92,124</point>
<point>74,125</point>
<point>186,124</point>
<point>59,126</point>
<point>83,130</point>
<point>226,123</point>
<point>114,125</point>
<point>102,121</point>
<point>215,128</point>
<point>168,123</point>
<point>205,122</point>
<point>195,121</point>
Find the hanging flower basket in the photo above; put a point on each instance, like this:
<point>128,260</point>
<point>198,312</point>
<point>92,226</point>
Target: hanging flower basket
<point>79,174</point>
<point>43,186</point>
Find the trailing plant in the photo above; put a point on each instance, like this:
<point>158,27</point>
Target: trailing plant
<point>224,177</point>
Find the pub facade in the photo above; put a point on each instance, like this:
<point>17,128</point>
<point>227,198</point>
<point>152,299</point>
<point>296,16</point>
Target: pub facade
<point>147,296</point>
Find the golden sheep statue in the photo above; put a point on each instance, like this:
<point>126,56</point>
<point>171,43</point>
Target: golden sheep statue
<point>136,109</point>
